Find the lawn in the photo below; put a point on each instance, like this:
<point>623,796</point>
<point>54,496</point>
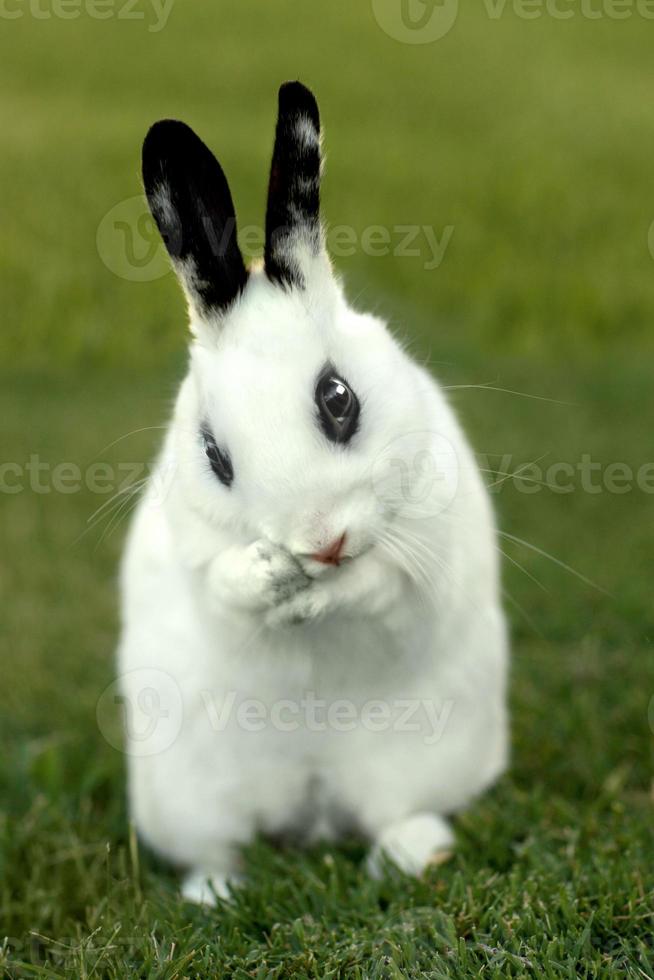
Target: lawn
<point>532,140</point>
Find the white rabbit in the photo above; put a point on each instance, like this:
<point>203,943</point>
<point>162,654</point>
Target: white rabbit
<point>313,642</point>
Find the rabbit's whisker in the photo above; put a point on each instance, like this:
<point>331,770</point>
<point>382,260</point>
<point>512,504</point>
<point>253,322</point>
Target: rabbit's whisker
<point>509,391</point>
<point>144,428</point>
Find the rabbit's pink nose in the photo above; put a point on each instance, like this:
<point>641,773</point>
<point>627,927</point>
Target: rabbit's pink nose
<point>332,553</point>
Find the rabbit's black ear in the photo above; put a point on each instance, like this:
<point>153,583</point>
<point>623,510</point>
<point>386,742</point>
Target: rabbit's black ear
<point>293,231</point>
<point>190,201</point>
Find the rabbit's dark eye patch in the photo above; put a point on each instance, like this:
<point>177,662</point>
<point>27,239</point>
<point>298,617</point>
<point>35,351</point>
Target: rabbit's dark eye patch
<point>338,406</point>
<point>219,459</point>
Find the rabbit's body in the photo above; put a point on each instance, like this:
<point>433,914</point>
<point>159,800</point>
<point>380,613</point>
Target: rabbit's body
<point>313,639</point>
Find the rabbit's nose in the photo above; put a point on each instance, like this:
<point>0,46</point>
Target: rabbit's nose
<point>332,553</point>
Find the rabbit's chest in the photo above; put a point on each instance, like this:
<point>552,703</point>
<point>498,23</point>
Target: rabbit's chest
<point>340,657</point>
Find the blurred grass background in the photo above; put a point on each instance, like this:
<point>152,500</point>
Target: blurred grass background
<point>533,139</point>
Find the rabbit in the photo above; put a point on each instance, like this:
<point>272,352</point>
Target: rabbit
<point>313,643</point>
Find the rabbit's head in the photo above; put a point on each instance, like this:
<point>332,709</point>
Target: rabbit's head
<point>292,398</point>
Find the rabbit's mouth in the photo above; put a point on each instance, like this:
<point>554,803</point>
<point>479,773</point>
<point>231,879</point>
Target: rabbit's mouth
<point>333,553</point>
<point>315,567</point>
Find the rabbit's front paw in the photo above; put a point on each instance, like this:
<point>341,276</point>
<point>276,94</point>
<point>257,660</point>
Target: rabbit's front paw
<point>306,605</point>
<point>261,576</point>
<point>276,575</point>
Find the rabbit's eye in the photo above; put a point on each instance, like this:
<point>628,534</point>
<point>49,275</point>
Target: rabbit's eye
<point>219,459</point>
<point>338,406</point>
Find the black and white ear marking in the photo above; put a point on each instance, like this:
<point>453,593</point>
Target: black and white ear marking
<point>190,201</point>
<point>293,230</point>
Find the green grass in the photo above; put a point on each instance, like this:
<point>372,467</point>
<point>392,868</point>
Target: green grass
<point>534,140</point>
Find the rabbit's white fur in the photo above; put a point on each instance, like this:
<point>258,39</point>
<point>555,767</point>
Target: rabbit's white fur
<point>222,602</point>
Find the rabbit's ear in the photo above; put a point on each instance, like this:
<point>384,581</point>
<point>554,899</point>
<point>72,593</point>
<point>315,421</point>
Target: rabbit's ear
<point>190,201</point>
<point>293,231</point>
